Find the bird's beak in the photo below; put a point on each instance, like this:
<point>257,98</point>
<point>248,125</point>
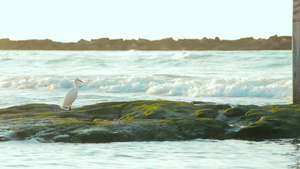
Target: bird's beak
<point>80,81</point>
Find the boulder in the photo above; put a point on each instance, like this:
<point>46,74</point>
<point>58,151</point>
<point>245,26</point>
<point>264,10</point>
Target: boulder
<point>207,113</point>
<point>271,122</point>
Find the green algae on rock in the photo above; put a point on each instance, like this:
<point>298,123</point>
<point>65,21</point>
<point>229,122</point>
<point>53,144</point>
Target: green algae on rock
<point>207,113</point>
<point>270,122</point>
<point>152,120</point>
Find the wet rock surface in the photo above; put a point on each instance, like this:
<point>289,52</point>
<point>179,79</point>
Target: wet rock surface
<point>148,121</point>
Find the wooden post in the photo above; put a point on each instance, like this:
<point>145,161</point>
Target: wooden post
<point>296,52</point>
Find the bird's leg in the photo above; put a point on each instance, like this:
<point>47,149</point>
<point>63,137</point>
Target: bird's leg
<point>70,107</point>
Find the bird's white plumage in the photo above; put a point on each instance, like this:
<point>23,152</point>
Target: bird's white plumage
<point>71,95</point>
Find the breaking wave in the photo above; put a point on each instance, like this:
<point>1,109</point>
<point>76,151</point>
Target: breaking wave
<point>233,76</point>
<point>162,85</point>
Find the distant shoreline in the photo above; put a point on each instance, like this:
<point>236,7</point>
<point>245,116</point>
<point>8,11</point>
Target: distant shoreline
<point>272,43</point>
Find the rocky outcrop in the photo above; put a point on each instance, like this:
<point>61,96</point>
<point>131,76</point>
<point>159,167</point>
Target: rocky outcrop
<point>273,43</point>
<point>148,121</point>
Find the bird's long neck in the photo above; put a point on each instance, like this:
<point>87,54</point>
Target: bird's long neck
<point>75,83</point>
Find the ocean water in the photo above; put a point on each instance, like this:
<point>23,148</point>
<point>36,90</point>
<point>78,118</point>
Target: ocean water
<point>194,154</point>
<point>231,77</point>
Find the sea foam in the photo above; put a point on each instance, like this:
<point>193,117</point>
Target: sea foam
<point>168,86</point>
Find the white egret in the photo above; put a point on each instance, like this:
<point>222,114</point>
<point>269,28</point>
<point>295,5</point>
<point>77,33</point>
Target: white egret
<point>71,95</point>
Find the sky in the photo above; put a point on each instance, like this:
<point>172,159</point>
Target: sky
<point>72,20</point>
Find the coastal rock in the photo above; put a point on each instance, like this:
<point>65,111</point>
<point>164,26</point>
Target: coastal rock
<point>153,120</point>
<point>238,110</point>
<point>113,121</point>
<point>35,108</point>
<point>158,110</point>
<point>137,130</point>
<point>269,122</point>
<point>249,43</point>
<point>207,113</point>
